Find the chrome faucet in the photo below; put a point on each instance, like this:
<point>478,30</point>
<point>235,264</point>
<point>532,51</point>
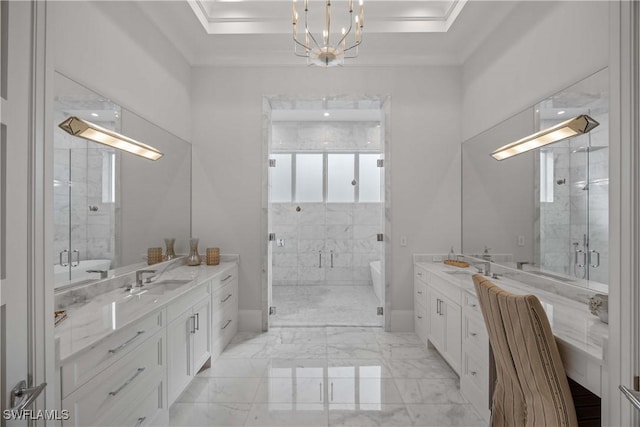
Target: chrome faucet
<point>139,274</point>
<point>487,268</point>
<point>103,273</point>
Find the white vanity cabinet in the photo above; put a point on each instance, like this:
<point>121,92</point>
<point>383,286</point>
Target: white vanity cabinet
<point>420,321</point>
<point>224,303</point>
<point>136,377</point>
<point>188,338</point>
<point>474,375</point>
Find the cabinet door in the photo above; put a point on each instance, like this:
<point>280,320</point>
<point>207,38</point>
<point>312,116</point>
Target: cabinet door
<point>435,323</point>
<point>179,354</point>
<point>452,315</point>
<point>202,336</point>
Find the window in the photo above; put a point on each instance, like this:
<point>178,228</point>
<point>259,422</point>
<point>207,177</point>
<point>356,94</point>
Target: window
<point>326,177</point>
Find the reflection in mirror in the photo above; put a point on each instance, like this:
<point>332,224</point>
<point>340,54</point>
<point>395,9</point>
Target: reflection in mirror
<point>546,210</point>
<point>109,205</point>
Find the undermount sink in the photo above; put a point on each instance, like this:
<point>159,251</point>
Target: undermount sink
<point>456,272</point>
<point>166,285</point>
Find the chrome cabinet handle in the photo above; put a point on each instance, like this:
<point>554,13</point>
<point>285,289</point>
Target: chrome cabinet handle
<point>62,263</point>
<point>227,298</point>
<point>126,343</point>
<point>419,317</point>
<point>23,396</point>
<point>420,292</point>
<point>77,253</point>
<point>227,278</point>
<point>193,323</point>
<point>119,389</point>
<point>320,261</point>
<point>226,324</point>
<point>473,334</point>
<point>331,259</point>
<point>633,396</point>
<point>197,321</point>
<point>597,254</point>
<point>332,391</point>
<point>140,421</point>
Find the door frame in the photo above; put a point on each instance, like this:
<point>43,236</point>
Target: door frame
<point>623,352</point>
<point>265,222</point>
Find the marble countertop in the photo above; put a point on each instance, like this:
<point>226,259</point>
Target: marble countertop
<point>88,323</point>
<point>570,320</point>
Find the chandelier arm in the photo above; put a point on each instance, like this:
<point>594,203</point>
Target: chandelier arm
<point>344,36</point>
<point>328,23</point>
<point>306,28</point>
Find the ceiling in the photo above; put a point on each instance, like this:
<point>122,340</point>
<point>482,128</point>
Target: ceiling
<point>258,32</point>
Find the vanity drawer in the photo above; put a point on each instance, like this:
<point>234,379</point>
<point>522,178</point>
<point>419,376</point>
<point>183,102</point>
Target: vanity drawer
<point>420,321</point>
<point>185,302</point>
<point>471,303</point>
<point>150,411</point>
<point>420,292</point>
<point>476,369</point>
<point>227,276</point>
<point>224,298</point>
<point>420,274</point>
<point>75,373</point>
<point>224,330</point>
<point>474,332</point>
<point>113,390</point>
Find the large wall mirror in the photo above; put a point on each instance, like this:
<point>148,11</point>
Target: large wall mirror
<point>546,210</point>
<point>110,205</point>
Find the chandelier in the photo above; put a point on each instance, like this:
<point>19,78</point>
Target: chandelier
<point>328,51</point>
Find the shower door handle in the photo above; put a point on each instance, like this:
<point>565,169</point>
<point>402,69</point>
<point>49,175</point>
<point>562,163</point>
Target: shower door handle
<point>597,254</point>
<point>320,260</point>
<point>77,254</point>
<point>584,258</point>
<point>62,263</point>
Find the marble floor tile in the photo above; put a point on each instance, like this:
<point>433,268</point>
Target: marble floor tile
<point>436,415</point>
<point>301,368</point>
<point>371,415</point>
<point>220,390</point>
<point>398,338</point>
<point>208,414</point>
<point>363,368</point>
<point>312,335</point>
<point>236,368</point>
<point>354,351</point>
<point>430,390</point>
<point>298,351</point>
<point>420,368</point>
<point>407,351</point>
<point>264,415</point>
<point>246,350</point>
<point>350,335</point>
<point>363,391</point>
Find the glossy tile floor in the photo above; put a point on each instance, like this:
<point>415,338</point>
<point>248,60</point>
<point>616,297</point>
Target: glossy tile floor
<point>321,305</point>
<point>325,377</point>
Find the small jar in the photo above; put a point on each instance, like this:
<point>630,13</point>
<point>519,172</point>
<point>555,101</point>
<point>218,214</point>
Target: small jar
<point>154,255</point>
<point>213,256</point>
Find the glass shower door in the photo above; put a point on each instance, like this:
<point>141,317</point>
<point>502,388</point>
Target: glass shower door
<point>62,214</point>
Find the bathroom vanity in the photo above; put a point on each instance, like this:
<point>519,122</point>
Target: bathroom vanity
<point>124,356</point>
<point>447,315</point>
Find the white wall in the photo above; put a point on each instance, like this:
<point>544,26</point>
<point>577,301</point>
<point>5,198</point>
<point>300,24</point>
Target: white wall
<point>541,48</point>
<point>425,159</point>
<point>113,49</point>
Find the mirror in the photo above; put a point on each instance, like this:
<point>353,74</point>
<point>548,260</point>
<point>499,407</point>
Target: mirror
<point>546,210</point>
<point>109,205</point>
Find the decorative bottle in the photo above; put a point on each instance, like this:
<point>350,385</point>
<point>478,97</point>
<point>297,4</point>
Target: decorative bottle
<point>194,256</point>
<point>169,243</point>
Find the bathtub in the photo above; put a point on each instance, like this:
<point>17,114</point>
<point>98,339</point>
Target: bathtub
<point>376,278</point>
<point>79,272</point>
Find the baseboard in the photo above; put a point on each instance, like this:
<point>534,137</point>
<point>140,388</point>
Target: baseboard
<point>250,320</point>
<point>401,320</point>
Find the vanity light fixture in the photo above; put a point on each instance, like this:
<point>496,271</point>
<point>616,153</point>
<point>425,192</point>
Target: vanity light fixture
<point>575,126</point>
<point>84,129</point>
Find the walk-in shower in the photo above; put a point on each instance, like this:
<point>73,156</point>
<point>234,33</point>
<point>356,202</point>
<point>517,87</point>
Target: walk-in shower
<point>326,207</point>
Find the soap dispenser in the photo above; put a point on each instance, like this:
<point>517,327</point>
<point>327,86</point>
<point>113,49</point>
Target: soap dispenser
<point>452,255</point>
<point>486,255</point>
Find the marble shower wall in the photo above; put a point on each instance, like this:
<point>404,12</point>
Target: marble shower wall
<point>347,229</point>
<point>82,220</point>
<point>578,208</point>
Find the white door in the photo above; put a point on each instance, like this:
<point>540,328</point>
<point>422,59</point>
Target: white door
<point>22,313</point>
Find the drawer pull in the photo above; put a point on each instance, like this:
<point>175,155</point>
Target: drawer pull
<point>140,421</point>
<point>420,274</point>
<point>226,299</point>
<point>419,317</point>
<point>226,324</point>
<point>420,292</point>
<point>138,372</point>
<point>474,373</point>
<point>473,334</point>
<point>472,305</point>
<point>126,343</point>
<point>227,278</point>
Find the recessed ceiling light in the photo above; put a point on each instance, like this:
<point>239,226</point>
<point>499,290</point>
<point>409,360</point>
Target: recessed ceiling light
<point>94,114</point>
<point>326,114</point>
<point>561,112</point>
